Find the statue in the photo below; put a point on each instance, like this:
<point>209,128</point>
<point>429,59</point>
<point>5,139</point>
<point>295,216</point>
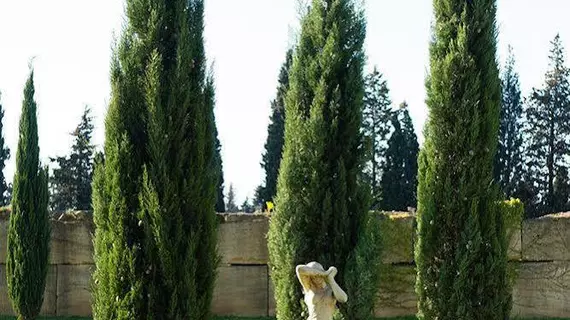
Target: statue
<point>320,289</point>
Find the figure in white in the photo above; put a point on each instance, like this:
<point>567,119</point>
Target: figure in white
<point>320,289</point>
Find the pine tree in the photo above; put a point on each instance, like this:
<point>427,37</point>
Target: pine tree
<point>376,125</point>
<point>509,160</point>
<point>548,129</point>
<point>231,203</point>
<point>246,206</point>
<point>275,136</point>
<point>29,229</point>
<point>321,205</point>
<point>399,174</point>
<point>70,183</point>
<point>4,156</point>
<point>154,195</point>
<point>461,253</point>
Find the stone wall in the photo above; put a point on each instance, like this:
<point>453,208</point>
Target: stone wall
<point>540,254</point>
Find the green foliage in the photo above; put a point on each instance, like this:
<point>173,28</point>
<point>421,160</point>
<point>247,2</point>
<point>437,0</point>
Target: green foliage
<point>218,165</point>
<point>247,207</point>
<point>548,131</point>
<point>399,173</point>
<point>154,196</point>
<point>321,204</point>
<point>275,136</point>
<point>461,252</point>
<point>70,184</point>
<point>376,117</point>
<point>362,276</point>
<point>509,158</point>
<point>29,228</point>
<point>231,205</point>
<point>5,193</point>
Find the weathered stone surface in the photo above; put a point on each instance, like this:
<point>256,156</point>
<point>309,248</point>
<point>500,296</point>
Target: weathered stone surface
<point>3,238</point>
<point>546,239</point>
<point>397,296</point>
<point>73,290</point>
<point>50,293</point>
<point>71,242</point>
<point>241,291</point>
<point>397,236</point>
<point>241,238</point>
<point>272,303</point>
<point>515,244</point>
<point>542,290</point>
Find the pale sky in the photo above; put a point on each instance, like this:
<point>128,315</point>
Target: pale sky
<point>246,40</point>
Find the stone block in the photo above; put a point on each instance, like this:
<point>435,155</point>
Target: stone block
<point>546,239</point>
<point>71,242</point>
<point>397,295</point>
<point>242,239</point>
<point>50,293</point>
<point>73,290</point>
<point>542,290</point>
<point>397,236</point>
<point>241,291</point>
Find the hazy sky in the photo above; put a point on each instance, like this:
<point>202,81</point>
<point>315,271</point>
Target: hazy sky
<point>246,40</point>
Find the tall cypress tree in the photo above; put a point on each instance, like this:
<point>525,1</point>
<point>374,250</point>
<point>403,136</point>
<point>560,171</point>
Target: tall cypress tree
<point>548,129</point>
<point>4,155</point>
<point>461,253</point>
<point>509,161</point>
<point>218,163</point>
<point>376,117</point>
<point>321,206</point>
<point>29,229</point>
<point>399,173</point>
<point>275,136</point>
<point>154,196</point>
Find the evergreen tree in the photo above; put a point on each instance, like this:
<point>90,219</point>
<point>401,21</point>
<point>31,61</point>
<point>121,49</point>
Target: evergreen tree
<point>29,229</point>
<point>461,253</point>
<point>231,203</point>
<point>275,136</point>
<point>548,129</point>
<point>399,174</point>
<point>376,127</point>
<point>246,206</point>
<point>509,160</point>
<point>4,156</point>
<point>154,195</point>
<point>70,183</point>
<point>321,204</point>
<point>219,168</point>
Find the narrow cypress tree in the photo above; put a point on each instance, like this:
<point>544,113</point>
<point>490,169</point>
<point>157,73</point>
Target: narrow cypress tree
<point>548,129</point>
<point>321,207</point>
<point>509,160</point>
<point>275,136</point>
<point>461,253</point>
<point>231,205</point>
<point>399,173</point>
<point>376,117</point>
<point>4,155</point>
<point>154,196</point>
<point>29,229</point>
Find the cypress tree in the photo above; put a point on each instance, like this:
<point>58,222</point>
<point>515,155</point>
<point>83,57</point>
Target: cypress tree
<point>321,204</point>
<point>509,160</point>
<point>399,174</point>
<point>29,229</point>
<point>231,205</point>
<point>218,164</point>
<point>154,195</point>
<point>461,252</point>
<point>548,129</point>
<point>275,136</point>
<point>376,126</point>
<point>4,155</point>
